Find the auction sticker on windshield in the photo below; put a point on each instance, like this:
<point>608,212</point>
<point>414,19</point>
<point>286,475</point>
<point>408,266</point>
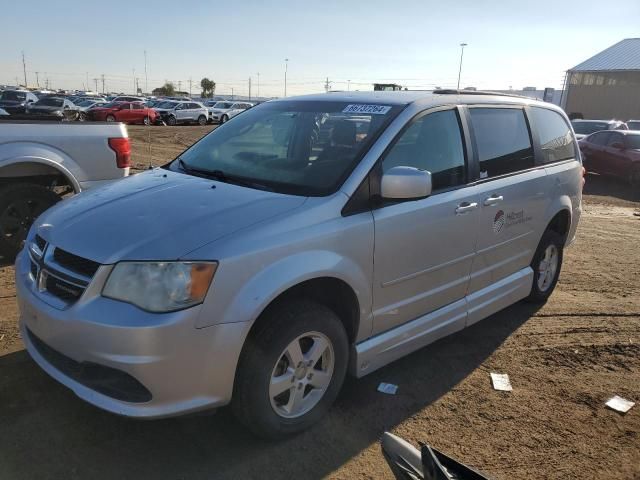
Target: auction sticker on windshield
<point>372,109</point>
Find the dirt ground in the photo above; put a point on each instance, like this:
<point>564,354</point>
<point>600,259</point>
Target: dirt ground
<point>564,360</point>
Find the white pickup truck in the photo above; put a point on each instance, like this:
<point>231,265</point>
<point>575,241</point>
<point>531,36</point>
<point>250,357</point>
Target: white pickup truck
<point>42,161</point>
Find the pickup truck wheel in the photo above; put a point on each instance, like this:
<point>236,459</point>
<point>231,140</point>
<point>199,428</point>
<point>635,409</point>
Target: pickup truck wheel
<point>546,265</point>
<point>291,369</point>
<point>110,118</point>
<point>224,118</point>
<point>171,120</point>
<point>202,120</point>
<point>634,177</point>
<point>20,205</point>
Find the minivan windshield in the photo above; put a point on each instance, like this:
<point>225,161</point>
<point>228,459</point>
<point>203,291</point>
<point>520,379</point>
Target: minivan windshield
<point>297,147</point>
<point>588,128</point>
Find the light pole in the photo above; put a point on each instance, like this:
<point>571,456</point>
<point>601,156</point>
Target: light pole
<point>348,85</point>
<point>462,45</point>
<point>286,67</point>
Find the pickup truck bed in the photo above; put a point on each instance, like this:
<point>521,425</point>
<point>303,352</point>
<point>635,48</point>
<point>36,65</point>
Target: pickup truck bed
<point>41,161</point>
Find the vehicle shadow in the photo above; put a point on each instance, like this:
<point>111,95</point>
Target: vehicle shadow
<point>49,433</point>
<point>601,185</point>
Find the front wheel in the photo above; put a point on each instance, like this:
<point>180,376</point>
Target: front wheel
<point>202,120</point>
<point>171,120</point>
<point>546,265</point>
<point>224,118</point>
<point>82,117</point>
<point>146,120</point>
<point>110,118</point>
<point>291,369</point>
<point>20,205</point>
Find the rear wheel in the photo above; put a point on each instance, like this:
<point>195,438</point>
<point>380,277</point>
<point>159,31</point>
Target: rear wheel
<point>224,118</point>
<point>546,265</point>
<point>20,205</point>
<point>202,120</point>
<point>291,369</point>
<point>110,118</point>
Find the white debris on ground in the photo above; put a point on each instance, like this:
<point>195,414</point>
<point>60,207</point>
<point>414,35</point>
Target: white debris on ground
<point>501,382</point>
<point>619,404</point>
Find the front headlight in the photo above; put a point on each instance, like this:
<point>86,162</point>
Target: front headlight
<point>160,286</point>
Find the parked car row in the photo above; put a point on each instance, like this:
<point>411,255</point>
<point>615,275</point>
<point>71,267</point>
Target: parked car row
<point>124,108</point>
<point>613,152</point>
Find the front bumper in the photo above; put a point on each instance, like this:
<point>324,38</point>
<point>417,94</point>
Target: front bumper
<point>183,368</point>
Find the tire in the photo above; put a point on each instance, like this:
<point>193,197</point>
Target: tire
<point>146,120</point>
<point>224,118</point>
<point>82,117</point>
<point>551,243</point>
<point>265,356</point>
<point>634,177</point>
<point>110,118</point>
<point>20,205</point>
<point>202,120</point>
<point>171,120</point>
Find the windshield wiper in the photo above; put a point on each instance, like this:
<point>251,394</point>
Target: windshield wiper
<point>222,176</point>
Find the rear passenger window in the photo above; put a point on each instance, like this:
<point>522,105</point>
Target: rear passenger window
<point>599,138</point>
<point>555,136</point>
<point>432,143</point>
<point>502,139</point>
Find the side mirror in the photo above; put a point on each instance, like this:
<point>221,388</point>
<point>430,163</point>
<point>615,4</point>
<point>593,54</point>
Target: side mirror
<point>618,145</point>
<point>402,183</point>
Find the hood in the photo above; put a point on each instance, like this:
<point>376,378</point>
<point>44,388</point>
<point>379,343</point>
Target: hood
<point>156,215</point>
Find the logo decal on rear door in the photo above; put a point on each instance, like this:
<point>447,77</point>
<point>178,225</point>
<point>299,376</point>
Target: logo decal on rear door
<point>498,221</point>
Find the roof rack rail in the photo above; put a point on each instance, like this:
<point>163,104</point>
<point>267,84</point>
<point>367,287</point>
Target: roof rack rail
<point>453,91</point>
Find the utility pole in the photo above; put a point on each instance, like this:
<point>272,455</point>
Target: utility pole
<point>134,81</point>
<point>96,82</point>
<point>146,79</point>
<point>326,85</point>
<point>249,88</point>
<point>286,67</point>
<point>348,85</point>
<point>258,88</point>
<point>462,45</point>
<point>231,93</point>
<point>137,85</point>
<point>190,82</point>
<point>24,69</point>
<point>179,85</point>
<point>37,80</point>
<point>102,82</point>
<point>87,84</point>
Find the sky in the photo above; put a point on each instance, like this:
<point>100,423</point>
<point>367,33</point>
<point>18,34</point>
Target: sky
<point>353,43</point>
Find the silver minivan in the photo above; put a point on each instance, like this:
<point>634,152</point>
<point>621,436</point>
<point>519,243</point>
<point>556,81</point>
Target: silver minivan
<point>308,238</point>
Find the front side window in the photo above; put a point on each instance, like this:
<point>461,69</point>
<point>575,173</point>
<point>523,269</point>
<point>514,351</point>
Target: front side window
<point>555,136</point>
<point>50,102</point>
<point>586,127</point>
<point>298,147</point>
<point>432,143</point>
<point>599,138</point>
<point>502,139</point>
<point>615,138</point>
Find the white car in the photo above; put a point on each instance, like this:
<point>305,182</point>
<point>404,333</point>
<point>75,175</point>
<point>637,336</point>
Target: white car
<point>172,113</point>
<point>223,111</point>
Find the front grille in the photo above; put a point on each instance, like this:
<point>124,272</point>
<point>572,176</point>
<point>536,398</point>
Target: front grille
<point>62,289</point>
<point>75,263</point>
<point>40,242</point>
<point>34,269</point>
<point>109,381</point>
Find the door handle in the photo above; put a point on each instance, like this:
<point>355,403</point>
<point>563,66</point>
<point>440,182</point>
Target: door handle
<point>493,200</point>
<point>465,207</point>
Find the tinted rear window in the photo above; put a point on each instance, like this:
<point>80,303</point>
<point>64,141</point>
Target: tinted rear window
<point>556,140</point>
<point>502,140</point>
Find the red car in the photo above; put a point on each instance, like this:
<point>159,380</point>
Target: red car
<point>126,112</point>
<point>613,152</point>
